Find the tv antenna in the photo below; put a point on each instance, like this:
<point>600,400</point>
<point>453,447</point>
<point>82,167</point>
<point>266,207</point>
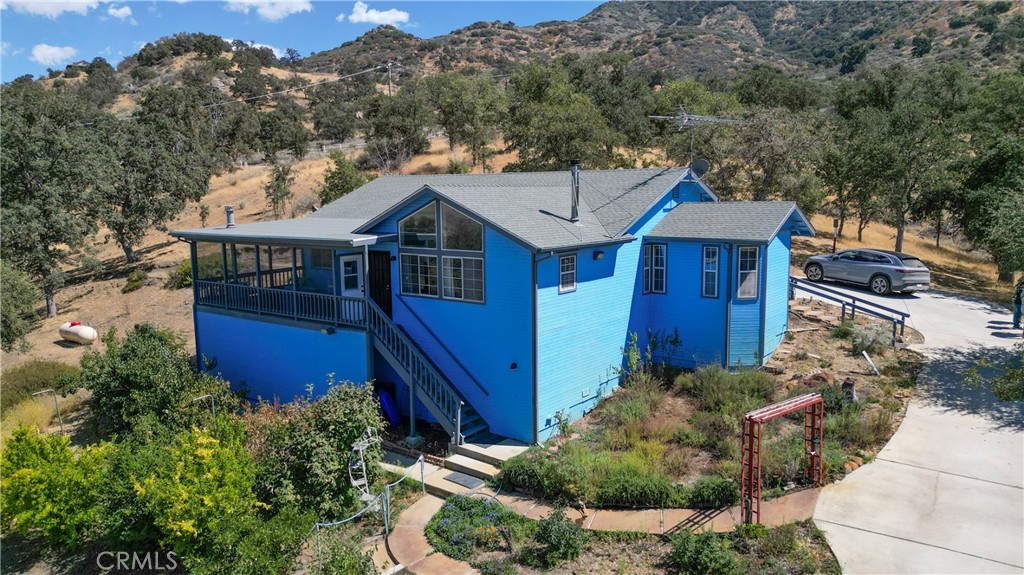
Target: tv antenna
<point>685,120</point>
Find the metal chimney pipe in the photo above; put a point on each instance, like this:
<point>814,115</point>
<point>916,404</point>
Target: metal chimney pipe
<point>229,212</point>
<point>575,217</point>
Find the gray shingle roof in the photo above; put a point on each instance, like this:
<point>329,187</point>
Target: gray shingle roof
<point>532,206</point>
<point>731,221</point>
<point>326,232</point>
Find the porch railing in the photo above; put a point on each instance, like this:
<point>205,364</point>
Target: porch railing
<point>281,278</point>
<point>326,308</point>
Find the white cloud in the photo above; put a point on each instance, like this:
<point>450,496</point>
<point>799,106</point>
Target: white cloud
<point>49,9</point>
<point>362,13</point>
<point>270,10</point>
<point>51,55</point>
<point>124,13</point>
<point>4,47</point>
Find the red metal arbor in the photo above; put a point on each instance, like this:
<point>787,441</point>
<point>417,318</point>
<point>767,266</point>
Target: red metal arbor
<point>750,476</point>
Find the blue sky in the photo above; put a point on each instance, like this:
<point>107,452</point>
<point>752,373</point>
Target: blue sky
<point>40,34</point>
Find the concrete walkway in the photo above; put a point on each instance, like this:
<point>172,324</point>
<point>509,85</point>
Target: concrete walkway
<point>408,545</point>
<point>946,494</point>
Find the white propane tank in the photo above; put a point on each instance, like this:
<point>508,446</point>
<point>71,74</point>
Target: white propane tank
<point>78,333</point>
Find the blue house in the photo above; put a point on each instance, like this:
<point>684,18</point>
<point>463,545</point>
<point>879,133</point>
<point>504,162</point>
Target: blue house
<point>492,303</point>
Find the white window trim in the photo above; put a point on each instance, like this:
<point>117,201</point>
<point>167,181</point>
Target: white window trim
<point>562,288</point>
<point>756,271</point>
<point>650,265</point>
<point>483,282</point>
<point>704,271</point>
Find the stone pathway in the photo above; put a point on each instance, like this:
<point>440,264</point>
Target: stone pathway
<point>408,545</point>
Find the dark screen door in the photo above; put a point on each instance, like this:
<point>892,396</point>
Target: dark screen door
<point>380,280</point>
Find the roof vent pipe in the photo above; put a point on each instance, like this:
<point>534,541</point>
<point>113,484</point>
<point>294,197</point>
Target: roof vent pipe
<point>229,212</point>
<point>575,217</point>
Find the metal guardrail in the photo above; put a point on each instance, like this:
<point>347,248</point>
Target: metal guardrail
<point>427,380</point>
<point>853,304</point>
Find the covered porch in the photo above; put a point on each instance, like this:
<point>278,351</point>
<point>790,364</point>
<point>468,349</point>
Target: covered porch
<point>311,270</point>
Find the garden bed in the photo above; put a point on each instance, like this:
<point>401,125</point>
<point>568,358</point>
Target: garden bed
<point>671,439</point>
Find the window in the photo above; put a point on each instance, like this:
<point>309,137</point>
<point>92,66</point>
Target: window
<point>350,274</point>
<point>419,274</point>
<point>746,287</point>
<point>463,278</point>
<point>420,229</point>
<point>567,273</point>
<point>709,278</point>
<point>460,232</point>
<point>654,268</point>
<point>320,259</point>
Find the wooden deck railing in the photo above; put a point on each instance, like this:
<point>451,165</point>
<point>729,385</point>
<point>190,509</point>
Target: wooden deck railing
<point>282,302</point>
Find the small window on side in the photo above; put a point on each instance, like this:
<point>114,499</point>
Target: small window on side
<point>747,276</point>
<point>567,274</point>
<point>709,274</point>
<point>320,259</point>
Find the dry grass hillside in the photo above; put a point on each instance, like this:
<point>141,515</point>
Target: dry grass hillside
<point>96,299</point>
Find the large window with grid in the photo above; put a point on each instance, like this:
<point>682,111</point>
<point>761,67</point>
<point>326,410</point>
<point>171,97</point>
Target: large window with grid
<point>709,275</point>
<point>655,256</point>
<point>747,276</point>
<point>567,273</point>
<point>440,235</point>
<point>463,278</point>
<point>419,275</point>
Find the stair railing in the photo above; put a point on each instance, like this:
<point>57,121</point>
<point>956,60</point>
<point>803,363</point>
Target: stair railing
<point>425,377</point>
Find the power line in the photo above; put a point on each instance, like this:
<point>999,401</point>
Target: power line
<point>306,87</point>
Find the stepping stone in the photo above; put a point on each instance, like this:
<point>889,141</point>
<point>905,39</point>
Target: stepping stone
<point>467,481</point>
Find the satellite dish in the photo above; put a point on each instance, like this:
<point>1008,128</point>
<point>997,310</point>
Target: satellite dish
<point>700,167</point>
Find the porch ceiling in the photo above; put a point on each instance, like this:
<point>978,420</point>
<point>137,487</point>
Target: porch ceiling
<point>326,232</point>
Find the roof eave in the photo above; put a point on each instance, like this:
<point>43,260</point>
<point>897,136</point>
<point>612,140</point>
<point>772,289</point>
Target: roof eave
<point>569,247</point>
<point>268,240</point>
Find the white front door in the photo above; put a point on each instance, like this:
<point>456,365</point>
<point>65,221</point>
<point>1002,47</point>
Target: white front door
<point>351,270</point>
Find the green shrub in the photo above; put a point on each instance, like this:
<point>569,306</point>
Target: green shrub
<point>629,485</point>
<point>303,448</point>
<point>17,307</point>
<point>339,179</point>
<point>181,276</point>
<point>721,433</point>
<point>713,492</point>
<point>202,485</point>
<point>252,545</point>
<point>50,490</point>
<point>457,167</point>
<point>707,554</point>
<point>783,460</point>
<point>716,390</point>
<point>134,281</point>
<point>19,383</point>
<point>843,330</point>
<point>563,540</point>
<point>778,542</point>
<point>875,339</point>
<point>833,398</point>
<point>149,372</point>
<point>567,475</point>
<point>464,524</point>
<point>504,566</point>
<point>344,556</point>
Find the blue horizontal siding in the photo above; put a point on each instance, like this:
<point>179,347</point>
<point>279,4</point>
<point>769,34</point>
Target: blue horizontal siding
<point>277,360</point>
<point>486,338</point>
<point>581,334</point>
<point>700,321</point>
<point>776,320</point>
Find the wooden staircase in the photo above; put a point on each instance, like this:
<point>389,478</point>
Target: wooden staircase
<point>430,385</point>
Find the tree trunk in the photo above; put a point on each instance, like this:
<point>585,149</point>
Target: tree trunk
<point>842,223</point>
<point>51,304</point>
<point>1005,275</point>
<point>860,228</point>
<point>129,252</point>
<point>900,229</point>
<point>938,228</point>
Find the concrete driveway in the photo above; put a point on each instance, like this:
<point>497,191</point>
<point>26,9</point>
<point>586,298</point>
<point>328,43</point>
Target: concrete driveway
<point>946,495</point>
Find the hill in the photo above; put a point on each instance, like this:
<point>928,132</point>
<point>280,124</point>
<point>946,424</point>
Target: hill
<point>714,38</point>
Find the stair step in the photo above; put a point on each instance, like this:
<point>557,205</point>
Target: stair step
<point>358,482</point>
<point>493,453</point>
<point>436,484</point>
<point>470,466</point>
<point>473,430</point>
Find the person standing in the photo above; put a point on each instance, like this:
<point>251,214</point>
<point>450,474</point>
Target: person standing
<point>1018,297</point>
